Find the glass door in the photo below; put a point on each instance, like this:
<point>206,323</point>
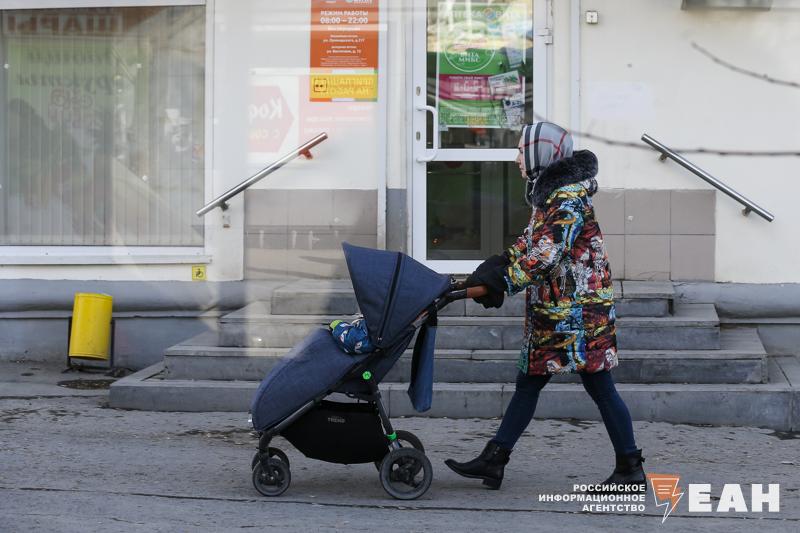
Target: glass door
<point>478,75</point>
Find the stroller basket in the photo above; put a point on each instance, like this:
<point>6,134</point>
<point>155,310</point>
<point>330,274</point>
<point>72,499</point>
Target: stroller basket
<point>352,433</point>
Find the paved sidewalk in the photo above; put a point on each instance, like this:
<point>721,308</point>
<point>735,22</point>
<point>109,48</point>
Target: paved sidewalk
<point>70,463</point>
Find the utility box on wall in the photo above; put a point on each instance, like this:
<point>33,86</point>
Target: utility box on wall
<point>727,4</point>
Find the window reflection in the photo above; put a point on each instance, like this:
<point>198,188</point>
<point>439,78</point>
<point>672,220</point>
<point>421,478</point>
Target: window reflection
<point>103,126</point>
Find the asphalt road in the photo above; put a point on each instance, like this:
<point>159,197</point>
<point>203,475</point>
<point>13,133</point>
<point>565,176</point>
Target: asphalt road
<point>70,463</point>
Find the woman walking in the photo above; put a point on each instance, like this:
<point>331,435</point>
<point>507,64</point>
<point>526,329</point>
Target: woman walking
<point>569,325</point>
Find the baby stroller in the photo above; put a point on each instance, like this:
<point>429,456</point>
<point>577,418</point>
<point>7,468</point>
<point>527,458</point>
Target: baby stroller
<point>397,296</point>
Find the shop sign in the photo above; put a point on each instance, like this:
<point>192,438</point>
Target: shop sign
<point>47,23</point>
<point>344,50</point>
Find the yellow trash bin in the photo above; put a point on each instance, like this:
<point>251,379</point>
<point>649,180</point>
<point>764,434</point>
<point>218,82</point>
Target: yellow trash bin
<point>90,333</point>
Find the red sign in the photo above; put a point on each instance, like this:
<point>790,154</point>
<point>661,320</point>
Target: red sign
<point>464,87</point>
<point>270,119</point>
<point>344,34</point>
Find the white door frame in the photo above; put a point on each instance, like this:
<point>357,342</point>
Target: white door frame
<point>417,133</point>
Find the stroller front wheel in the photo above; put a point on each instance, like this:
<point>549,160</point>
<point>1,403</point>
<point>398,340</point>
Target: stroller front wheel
<point>406,440</point>
<point>406,473</point>
<point>272,480</point>
<point>274,453</point>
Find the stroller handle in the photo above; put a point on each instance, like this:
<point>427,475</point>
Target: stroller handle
<point>460,291</point>
<point>457,292</point>
<point>477,292</point>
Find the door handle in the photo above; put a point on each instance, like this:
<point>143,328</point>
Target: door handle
<point>434,151</point>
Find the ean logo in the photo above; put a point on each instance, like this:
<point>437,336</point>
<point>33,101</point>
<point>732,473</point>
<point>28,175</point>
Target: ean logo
<point>666,492</point>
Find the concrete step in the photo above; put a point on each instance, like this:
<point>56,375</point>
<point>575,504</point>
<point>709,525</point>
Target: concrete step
<point>774,405</point>
<point>645,298</point>
<point>313,297</point>
<point>691,327</point>
<point>740,359</point>
<point>307,297</point>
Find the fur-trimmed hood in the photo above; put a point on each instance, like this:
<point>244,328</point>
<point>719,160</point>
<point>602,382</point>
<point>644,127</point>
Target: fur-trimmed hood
<point>580,167</point>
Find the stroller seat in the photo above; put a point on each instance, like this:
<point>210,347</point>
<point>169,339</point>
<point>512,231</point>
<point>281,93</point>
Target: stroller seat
<point>315,364</point>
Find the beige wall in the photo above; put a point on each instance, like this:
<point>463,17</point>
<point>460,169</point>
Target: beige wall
<point>640,74</point>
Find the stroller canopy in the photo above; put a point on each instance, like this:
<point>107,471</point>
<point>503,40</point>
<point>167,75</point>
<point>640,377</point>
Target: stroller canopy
<point>392,289</point>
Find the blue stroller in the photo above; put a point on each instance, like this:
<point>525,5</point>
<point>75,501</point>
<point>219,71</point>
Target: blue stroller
<point>397,296</point>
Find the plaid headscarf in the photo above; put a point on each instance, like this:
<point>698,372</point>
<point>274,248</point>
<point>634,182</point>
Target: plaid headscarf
<point>543,144</point>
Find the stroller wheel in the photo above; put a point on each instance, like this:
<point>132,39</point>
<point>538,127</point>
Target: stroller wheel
<point>406,473</point>
<point>272,480</point>
<point>274,453</point>
<point>406,440</point>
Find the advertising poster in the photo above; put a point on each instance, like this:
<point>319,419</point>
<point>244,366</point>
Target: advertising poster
<point>344,50</point>
<point>480,51</point>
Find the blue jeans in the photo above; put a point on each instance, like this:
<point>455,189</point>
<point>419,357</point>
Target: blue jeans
<point>600,387</point>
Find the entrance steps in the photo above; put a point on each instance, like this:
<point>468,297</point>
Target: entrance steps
<point>740,359</point>
<point>676,363</point>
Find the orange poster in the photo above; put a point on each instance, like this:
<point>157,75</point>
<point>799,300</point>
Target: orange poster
<point>344,50</point>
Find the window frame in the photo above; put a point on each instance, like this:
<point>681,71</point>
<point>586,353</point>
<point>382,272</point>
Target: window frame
<point>19,255</point>
<point>68,4</point>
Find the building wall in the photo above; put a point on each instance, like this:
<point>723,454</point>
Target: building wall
<point>640,73</point>
<point>637,73</point>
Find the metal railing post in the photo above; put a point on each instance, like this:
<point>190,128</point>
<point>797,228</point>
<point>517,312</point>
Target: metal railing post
<point>221,201</point>
<point>666,152</point>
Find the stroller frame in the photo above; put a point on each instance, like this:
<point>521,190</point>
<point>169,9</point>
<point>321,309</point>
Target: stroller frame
<point>271,475</point>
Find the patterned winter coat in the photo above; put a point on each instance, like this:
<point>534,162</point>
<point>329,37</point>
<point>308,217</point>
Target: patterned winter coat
<point>562,262</point>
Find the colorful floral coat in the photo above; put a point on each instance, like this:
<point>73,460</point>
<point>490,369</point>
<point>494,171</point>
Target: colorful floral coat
<point>562,262</point>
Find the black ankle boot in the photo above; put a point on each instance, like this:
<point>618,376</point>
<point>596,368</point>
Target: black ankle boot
<point>628,476</point>
<point>488,466</point>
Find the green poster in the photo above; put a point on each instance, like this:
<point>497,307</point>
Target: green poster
<point>477,82</point>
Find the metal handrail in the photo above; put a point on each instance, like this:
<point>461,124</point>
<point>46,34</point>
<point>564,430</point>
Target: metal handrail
<point>749,205</point>
<point>304,150</point>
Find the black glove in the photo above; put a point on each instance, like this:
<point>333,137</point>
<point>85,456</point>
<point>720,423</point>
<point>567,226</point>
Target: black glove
<point>499,260</point>
<point>491,273</point>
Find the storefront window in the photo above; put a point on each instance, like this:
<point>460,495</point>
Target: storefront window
<point>102,126</point>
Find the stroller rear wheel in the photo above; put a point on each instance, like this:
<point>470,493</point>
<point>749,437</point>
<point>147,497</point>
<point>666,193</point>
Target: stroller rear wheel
<point>406,440</point>
<point>274,453</point>
<point>272,480</point>
<point>406,473</point>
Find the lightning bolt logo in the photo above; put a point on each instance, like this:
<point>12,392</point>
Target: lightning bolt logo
<point>665,492</point>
